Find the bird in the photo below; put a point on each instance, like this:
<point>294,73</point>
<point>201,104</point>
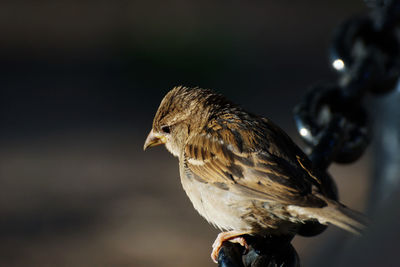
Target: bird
<point>241,171</point>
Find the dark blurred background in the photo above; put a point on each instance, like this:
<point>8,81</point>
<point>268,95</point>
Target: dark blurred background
<point>80,82</point>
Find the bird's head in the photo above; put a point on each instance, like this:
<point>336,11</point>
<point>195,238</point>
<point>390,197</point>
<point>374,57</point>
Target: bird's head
<point>182,112</point>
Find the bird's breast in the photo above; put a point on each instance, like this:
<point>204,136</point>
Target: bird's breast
<point>229,211</point>
<point>219,207</point>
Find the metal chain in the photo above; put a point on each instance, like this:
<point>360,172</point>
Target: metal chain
<point>332,120</point>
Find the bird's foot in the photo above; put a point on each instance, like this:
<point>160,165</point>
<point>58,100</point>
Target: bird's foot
<point>231,236</point>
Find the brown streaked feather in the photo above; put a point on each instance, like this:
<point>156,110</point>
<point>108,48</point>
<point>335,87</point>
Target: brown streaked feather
<point>269,173</point>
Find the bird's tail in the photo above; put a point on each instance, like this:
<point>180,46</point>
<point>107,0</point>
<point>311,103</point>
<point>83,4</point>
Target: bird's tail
<point>335,213</point>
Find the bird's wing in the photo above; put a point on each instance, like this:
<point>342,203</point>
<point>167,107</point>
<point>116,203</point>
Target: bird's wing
<point>262,164</point>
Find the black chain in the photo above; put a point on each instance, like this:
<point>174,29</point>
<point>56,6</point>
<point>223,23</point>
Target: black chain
<point>331,118</point>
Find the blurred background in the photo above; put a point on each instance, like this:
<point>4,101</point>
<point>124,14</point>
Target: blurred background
<point>80,82</point>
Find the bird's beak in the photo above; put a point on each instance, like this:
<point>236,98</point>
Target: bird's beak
<point>154,139</point>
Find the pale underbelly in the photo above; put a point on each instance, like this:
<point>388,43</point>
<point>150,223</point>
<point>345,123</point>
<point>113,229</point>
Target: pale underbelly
<point>219,207</point>
<point>229,211</point>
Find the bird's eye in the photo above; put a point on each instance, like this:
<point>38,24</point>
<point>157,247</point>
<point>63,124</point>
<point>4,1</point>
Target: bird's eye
<point>165,129</point>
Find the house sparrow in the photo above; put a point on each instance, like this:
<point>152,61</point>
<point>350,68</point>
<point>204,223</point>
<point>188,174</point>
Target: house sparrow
<point>242,173</point>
